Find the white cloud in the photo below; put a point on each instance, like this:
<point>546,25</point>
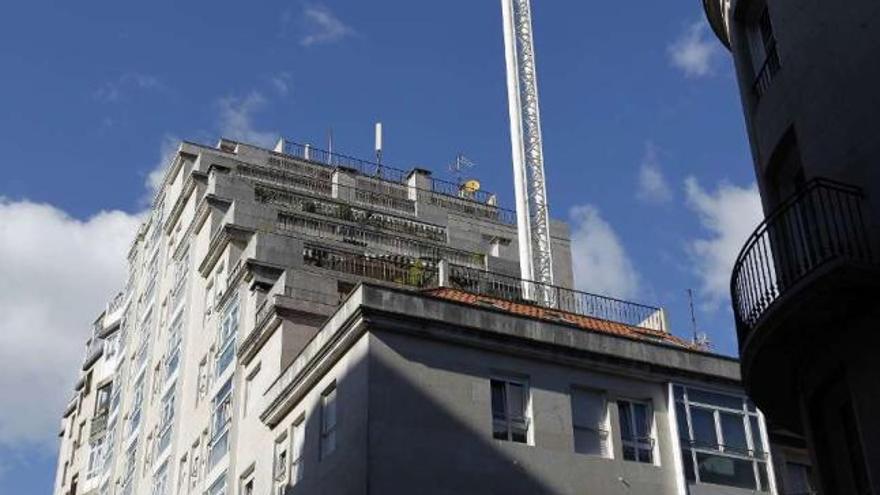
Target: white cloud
<point>115,90</point>
<point>601,264</point>
<point>236,119</point>
<point>281,83</point>
<point>694,51</point>
<point>57,274</point>
<point>653,187</point>
<point>728,215</point>
<point>323,27</point>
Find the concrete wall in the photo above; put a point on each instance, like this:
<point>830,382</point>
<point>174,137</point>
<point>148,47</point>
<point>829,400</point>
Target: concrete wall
<point>430,426</point>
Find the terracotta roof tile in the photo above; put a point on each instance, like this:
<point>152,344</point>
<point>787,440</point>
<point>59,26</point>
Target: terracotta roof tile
<point>580,321</point>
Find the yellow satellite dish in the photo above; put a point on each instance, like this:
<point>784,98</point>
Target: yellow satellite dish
<point>471,186</point>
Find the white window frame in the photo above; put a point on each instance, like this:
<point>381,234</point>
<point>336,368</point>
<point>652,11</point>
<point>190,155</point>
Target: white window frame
<point>602,429</point>
<point>508,421</point>
<point>648,443</point>
<point>755,456</point>
<point>281,464</point>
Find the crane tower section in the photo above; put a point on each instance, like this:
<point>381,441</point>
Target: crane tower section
<point>533,218</point>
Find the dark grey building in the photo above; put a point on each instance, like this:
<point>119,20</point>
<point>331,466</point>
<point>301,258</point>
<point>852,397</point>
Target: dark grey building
<point>806,283</point>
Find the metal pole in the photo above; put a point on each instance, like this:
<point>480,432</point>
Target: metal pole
<point>533,222</point>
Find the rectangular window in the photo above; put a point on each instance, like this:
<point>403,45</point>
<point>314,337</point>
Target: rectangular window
<point>636,431</point>
<point>219,486</point>
<point>296,454</point>
<point>220,419</point>
<point>721,439</point>
<point>280,465</point>
<point>589,413</point>
<point>226,339</point>
<point>328,421</point>
<point>764,53</point>
<point>510,404</point>
<point>182,475</point>
<point>160,481</point>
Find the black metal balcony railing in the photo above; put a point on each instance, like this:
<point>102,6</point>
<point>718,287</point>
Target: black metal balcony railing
<point>317,155</point>
<point>768,71</point>
<point>553,297</point>
<point>822,222</point>
<point>395,269</point>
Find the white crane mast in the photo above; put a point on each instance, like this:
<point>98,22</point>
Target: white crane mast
<point>533,218</point>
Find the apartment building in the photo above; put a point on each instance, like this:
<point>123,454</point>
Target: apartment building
<point>297,321</point>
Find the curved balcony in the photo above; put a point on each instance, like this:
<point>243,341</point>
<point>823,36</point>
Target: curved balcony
<point>806,264</point>
<point>824,222</point>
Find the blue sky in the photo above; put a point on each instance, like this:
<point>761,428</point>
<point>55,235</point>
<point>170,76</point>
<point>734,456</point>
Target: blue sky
<point>645,147</point>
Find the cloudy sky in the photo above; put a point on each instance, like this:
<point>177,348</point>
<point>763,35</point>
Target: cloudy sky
<point>645,147</point>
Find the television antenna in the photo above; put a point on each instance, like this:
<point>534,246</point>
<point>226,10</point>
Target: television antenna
<point>459,166</point>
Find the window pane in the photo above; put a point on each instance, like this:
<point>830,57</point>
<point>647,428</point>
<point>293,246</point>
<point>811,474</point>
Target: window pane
<point>625,411</point>
<point>727,471</point>
<point>517,400</point>
<point>703,422</point>
<point>688,460</point>
<point>643,421</point>
<point>588,408</point>
<point>734,432</point>
<point>646,455</point>
<point>714,399</point>
<point>587,441</point>
<point>629,453</point>
<point>518,433</point>
<point>499,400</point>
<point>499,430</point>
<point>681,419</point>
<point>762,477</point>
<point>757,440</point>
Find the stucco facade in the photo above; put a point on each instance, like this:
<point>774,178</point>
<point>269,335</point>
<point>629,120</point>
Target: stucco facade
<point>290,325</point>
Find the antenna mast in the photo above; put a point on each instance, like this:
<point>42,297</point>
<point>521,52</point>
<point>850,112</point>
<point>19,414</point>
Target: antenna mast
<point>533,219</point>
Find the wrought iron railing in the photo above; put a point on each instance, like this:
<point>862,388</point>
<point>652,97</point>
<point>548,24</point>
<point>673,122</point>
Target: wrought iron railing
<point>317,155</point>
<point>768,70</point>
<point>553,297</point>
<point>376,240</point>
<point>458,191</point>
<point>822,222</point>
<point>395,269</point>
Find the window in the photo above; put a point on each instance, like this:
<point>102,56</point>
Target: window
<point>102,399</point>
<point>220,419</point>
<point>196,464</point>
<point>247,485</point>
<point>182,475</point>
<point>589,414</point>
<point>296,454</point>
<point>721,439</point>
<point>328,421</point>
<point>248,391</point>
<point>226,339</point>
<point>160,481</point>
<point>510,403</point>
<point>166,421</point>
<point>218,487</point>
<point>765,57</point>
<point>202,380</point>
<point>636,430</point>
<point>280,465</point>
<point>175,331</point>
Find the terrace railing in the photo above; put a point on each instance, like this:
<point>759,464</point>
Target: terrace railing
<point>399,270</point>
<point>553,297</point>
<point>821,223</point>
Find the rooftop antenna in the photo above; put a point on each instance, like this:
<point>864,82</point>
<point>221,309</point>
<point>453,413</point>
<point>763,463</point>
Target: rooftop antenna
<point>532,215</point>
<point>700,339</point>
<point>379,148</point>
<point>459,166</point>
<point>330,145</point>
